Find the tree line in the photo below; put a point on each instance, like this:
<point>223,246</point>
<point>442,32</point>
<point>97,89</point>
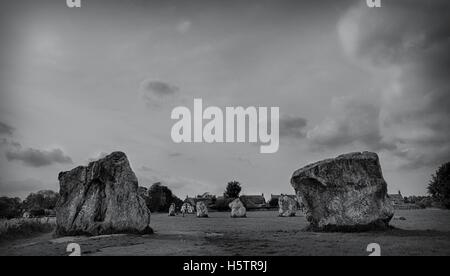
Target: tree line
<point>158,197</point>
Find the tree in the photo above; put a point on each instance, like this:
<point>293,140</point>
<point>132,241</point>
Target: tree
<point>10,207</point>
<point>273,202</point>
<point>439,186</point>
<point>233,189</point>
<point>160,198</point>
<point>42,200</point>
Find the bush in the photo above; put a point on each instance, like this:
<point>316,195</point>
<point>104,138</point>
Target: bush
<point>222,203</point>
<point>10,207</point>
<point>425,203</point>
<point>22,228</point>
<point>273,202</point>
<point>160,198</point>
<point>41,200</point>
<point>439,186</point>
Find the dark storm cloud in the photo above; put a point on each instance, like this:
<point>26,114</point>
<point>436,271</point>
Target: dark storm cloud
<point>159,88</point>
<point>159,93</point>
<point>351,122</point>
<point>38,158</point>
<point>416,33</point>
<point>293,127</point>
<point>6,129</point>
<point>16,187</point>
<point>412,39</point>
<point>175,154</point>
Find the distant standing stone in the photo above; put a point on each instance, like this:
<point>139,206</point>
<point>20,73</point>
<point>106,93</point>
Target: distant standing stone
<point>101,199</point>
<point>172,210</point>
<point>287,206</point>
<point>202,210</point>
<point>347,193</point>
<point>237,209</point>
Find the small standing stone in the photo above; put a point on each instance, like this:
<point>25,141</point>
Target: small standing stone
<point>237,209</point>
<point>172,210</point>
<point>287,206</point>
<point>202,210</point>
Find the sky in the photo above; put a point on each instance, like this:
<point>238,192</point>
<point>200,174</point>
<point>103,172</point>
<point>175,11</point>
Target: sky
<point>77,84</point>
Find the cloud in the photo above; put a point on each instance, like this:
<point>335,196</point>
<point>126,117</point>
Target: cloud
<point>98,157</point>
<point>38,158</point>
<point>184,26</point>
<point>6,129</point>
<point>294,127</point>
<point>412,44</point>
<point>159,88</point>
<point>175,154</point>
<point>178,184</point>
<point>145,169</point>
<point>20,187</point>
<point>158,93</point>
<point>245,161</point>
<point>351,122</point>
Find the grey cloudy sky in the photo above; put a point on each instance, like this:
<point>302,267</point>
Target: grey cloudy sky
<point>78,83</point>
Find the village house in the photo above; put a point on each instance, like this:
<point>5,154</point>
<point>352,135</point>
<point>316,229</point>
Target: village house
<point>398,201</point>
<point>207,198</point>
<point>252,202</point>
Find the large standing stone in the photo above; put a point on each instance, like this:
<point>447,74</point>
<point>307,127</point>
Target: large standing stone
<point>287,206</point>
<point>101,198</point>
<point>347,193</point>
<point>237,209</point>
<point>202,210</point>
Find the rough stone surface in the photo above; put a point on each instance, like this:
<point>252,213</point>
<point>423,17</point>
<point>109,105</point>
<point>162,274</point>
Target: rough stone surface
<point>202,210</point>
<point>347,193</point>
<point>287,206</point>
<point>172,210</point>
<point>237,209</point>
<point>101,199</point>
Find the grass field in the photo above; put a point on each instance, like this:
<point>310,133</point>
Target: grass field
<point>424,232</point>
<point>23,228</point>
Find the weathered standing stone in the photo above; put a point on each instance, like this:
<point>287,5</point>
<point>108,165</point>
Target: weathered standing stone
<point>347,193</point>
<point>101,198</point>
<point>287,206</point>
<point>172,210</point>
<point>238,209</point>
<point>202,210</point>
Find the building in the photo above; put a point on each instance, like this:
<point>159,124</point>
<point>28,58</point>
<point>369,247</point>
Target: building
<point>254,201</point>
<point>191,201</point>
<point>207,198</point>
<point>276,197</point>
<point>397,199</point>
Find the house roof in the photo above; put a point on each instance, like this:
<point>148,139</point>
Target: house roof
<point>276,197</point>
<point>395,197</point>
<point>253,199</point>
<point>190,200</point>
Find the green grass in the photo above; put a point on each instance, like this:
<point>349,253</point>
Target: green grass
<point>24,228</point>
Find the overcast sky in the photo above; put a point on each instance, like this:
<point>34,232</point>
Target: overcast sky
<point>78,83</point>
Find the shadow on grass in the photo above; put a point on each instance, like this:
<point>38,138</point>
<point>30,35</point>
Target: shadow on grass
<point>397,232</point>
